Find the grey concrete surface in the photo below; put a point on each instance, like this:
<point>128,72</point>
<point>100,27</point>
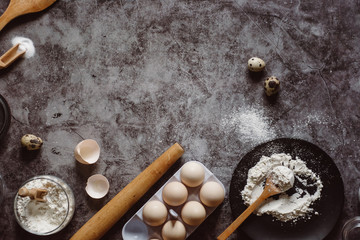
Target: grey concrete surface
<point>138,76</point>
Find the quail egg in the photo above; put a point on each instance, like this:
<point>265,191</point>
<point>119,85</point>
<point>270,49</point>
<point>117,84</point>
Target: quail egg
<point>256,64</point>
<point>31,142</point>
<point>271,86</point>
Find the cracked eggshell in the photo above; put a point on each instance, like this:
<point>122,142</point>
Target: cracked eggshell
<point>87,151</point>
<point>256,64</point>
<point>97,186</point>
<point>31,142</point>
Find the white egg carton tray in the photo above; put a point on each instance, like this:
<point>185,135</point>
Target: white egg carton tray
<point>137,229</point>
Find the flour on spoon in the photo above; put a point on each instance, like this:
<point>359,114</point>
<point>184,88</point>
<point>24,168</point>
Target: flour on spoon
<point>25,44</point>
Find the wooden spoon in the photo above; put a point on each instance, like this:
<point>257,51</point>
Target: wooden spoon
<point>21,7</point>
<point>269,190</point>
<point>34,193</point>
<point>10,56</point>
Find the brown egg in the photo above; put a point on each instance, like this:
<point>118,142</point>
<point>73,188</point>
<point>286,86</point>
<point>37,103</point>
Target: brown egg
<point>193,213</point>
<point>154,213</point>
<point>175,193</point>
<point>192,174</point>
<point>212,194</point>
<point>173,230</point>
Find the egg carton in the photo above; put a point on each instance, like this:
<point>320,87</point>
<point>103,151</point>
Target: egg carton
<point>137,229</point>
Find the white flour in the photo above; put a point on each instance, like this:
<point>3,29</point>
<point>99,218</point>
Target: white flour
<point>43,217</point>
<point>249,123</point>
<point>25,44</point>
<point>286,207</point>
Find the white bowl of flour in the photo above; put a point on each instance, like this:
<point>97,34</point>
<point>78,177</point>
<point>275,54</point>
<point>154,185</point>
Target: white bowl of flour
<point>51,216</point>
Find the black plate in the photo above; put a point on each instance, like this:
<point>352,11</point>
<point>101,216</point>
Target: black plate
<point>5,117</point>
<point>329,206</point>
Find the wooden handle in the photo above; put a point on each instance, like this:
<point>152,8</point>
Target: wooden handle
<point>6,18</point>
<point>20,7</point>
<point>240,219</point>
<point>107,216</point>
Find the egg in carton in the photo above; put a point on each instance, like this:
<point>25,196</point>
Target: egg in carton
<point>178,207</point>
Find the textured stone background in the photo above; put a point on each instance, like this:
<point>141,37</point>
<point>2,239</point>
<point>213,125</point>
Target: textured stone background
<point>138,76</point>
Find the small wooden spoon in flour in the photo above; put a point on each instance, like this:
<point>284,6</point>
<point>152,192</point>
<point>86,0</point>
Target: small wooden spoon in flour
<point>270,189</point>
<point>11,55</point>
<point>34,193</point>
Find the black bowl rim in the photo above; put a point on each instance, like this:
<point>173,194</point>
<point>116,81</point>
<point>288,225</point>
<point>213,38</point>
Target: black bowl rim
<point>7,116</point>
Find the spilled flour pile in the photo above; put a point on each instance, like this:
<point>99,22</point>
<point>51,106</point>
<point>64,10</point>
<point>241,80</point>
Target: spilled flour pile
<point>285,207</point>
<point>250,124</point>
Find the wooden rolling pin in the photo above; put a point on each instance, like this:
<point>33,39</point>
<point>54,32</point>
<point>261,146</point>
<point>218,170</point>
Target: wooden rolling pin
<point>107,216</point>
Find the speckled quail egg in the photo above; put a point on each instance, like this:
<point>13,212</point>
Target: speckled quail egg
<point>31,142</point>
<point>271,85</point>
<point>256,64</point>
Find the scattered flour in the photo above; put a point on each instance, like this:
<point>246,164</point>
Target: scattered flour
<point>286,207</point>
<point>25,44</point>
<point>43,217</point>
<point>250,124</point>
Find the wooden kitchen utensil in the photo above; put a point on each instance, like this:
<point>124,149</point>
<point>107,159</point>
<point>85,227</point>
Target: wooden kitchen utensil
<point>107,216</point>
<point>34,193</point>
<point>10,56</point>
<point>21,7</point>
<point>269,190</point>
